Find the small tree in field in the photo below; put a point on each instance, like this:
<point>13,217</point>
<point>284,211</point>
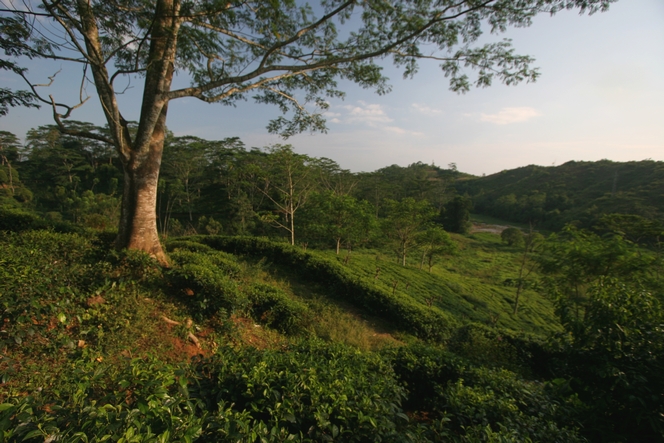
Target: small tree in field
<point>455,215</point>
<point>512,236</point>
<point>404,222</point>
<point>280,52</point>
<point>287,182</point>
<point>435,242</point>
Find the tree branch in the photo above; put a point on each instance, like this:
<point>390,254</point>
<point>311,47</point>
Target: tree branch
<point>325,63</point>
<point>86,134</point>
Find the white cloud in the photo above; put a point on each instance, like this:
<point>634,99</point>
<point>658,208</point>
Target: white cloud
<point>367,114</point>
<point>510,115</point>
<point>424,109</point>
<point>401,131</point>
<point>372,115</point>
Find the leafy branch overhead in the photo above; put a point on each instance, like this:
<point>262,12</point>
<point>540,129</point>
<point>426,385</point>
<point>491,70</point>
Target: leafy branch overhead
<point>281,52</point>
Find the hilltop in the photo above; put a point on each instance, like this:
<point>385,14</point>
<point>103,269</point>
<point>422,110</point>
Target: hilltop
<point>578,192</point>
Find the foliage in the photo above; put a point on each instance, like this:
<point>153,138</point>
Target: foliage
<point>20,220</point>
<point>468,286</point>
<point>404,222</point>
<point>274,308</point>
<point>574,261</point>
<point>205,281</point>
<point>141,401</point>
<point>287,184</point>
<point>615,323</point>
<point>574,192</point>
<point>13,32</point>
<point>434,242</point>
<point>418,180</point>
<point>632,227</point>
<point>466,403</point>
<point>338,218</point>
<point>77,324</point>
<point>402,311</point>
<point>312,391</point>
<point>512,236</point>
<point>455,215</point>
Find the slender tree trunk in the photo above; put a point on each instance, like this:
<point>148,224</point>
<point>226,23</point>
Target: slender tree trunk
<point>292,224</point>
<point>338,245</point>
<point>403,255</point>
<point>5,160</point>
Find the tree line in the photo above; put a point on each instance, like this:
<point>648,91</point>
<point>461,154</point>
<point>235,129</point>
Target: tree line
<point>223,187</point>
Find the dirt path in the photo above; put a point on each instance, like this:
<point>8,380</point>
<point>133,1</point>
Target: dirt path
<point>485,227</point>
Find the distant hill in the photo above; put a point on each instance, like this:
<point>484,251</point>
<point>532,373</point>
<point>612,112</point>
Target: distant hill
<point>578,192</point>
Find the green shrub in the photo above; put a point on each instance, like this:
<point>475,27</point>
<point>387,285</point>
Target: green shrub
<point>512,236</point>
<point>466,403</point>
<point>403,312</point>
<point>173,245</point>
<point>205,282</point>
<point>496,405</point>
<point>16,220</point>
<point>484,346</point>
<point>144,401</point>
<point>46,279</point>
<point>274,308</point>
<point>310,392</point>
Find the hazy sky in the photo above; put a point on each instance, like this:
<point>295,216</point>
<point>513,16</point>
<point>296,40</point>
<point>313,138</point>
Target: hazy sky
<point>600,95</point>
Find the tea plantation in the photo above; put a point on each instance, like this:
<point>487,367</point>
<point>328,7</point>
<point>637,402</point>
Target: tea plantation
<point>243,339</point>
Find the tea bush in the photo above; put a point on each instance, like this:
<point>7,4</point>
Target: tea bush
<point>172,245</point>
<point>274,308</point>
<point>401,311</point>
<point>16,220</point>
<point>19,220</point>
<point>44,278</point>
<point>205,281</point>
<point>139,401</point>
<point>501,348</point>
<point>309,392</point>
<point>467,403</point>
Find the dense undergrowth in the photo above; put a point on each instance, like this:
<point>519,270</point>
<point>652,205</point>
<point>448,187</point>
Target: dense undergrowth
<point>96,346</point>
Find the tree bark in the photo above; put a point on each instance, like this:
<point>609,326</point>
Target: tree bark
<point>138,219</point>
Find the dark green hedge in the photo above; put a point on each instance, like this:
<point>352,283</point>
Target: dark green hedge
<point>402,312</point>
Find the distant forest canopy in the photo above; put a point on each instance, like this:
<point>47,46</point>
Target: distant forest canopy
<point>575,192</point>
<point>208,186</point>
<point>222,187</point>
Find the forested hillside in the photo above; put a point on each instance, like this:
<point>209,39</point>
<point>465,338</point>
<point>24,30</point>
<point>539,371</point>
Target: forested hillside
<point>575,192</point>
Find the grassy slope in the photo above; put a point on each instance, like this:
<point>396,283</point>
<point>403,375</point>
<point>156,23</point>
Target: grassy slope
<point>467,286</point>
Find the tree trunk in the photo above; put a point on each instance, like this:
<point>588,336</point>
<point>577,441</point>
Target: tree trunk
<point>142,159</point>
<point>138,219</point>
<point>403,255</point>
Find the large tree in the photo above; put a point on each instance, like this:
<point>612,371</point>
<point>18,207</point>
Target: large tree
<point>284,52</point>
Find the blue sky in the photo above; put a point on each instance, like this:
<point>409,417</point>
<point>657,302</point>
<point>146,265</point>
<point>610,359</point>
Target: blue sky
<point>600,96</point>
